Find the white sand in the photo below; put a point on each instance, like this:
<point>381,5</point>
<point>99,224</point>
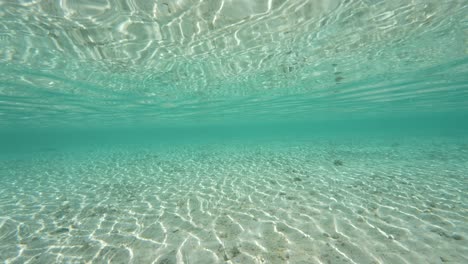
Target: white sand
<point>387,203</point>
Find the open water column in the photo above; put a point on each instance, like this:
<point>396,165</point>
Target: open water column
<point>234,131</point>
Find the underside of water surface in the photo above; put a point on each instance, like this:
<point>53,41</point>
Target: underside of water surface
<point>233,131</point>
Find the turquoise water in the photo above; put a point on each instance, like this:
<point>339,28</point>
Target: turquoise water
<point>274,131</point>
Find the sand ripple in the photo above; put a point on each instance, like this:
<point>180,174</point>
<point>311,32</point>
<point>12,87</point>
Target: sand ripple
<point>384,203</point>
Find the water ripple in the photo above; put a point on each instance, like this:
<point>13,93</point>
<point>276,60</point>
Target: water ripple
<point>168,52</point>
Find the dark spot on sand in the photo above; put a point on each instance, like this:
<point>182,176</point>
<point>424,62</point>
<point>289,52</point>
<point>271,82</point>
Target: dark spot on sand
<point>235,251</point>
<point>60,231</point>
<point>338,163</point>
<point>338,79</point>
<point>52,35</point>
<point>168,9</point>
<point>289,170</point>
<point>168,259</point>
<point>297,179</point>
<point>440,232</point>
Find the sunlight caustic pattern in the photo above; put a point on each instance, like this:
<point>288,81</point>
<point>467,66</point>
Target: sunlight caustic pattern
<point>67,61</point>
<point>309,202</point>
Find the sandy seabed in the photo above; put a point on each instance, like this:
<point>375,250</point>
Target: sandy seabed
<point>317,201</point>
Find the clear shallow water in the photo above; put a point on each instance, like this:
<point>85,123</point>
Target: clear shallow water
<point>311,201</point>
<point>233,132</point>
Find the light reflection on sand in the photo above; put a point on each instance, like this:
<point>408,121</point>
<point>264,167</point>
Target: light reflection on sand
<point>386,203</point>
